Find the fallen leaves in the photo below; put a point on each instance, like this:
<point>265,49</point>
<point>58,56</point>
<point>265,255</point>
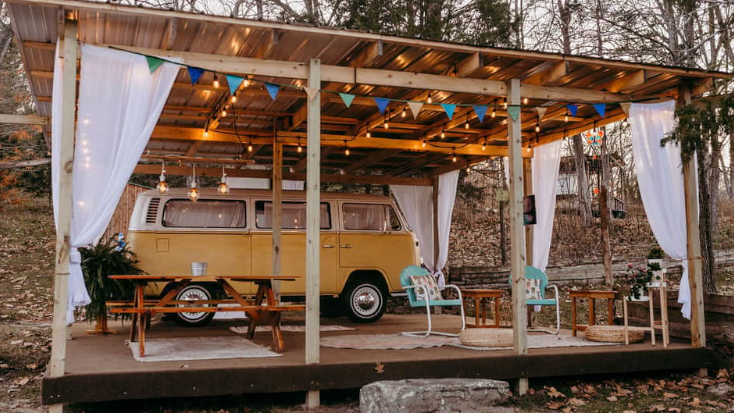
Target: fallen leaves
<point>379,368</point>
<point>669,395</point>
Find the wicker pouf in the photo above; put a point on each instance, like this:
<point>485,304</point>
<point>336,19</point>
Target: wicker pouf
<point>613,334</point>
<point>486,337</point>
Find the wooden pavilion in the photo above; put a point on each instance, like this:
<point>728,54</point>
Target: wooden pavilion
<point>389,148</point>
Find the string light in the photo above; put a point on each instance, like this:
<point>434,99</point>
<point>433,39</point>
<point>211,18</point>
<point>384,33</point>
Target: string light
<point>206,133</point>
<point>368,134</point>
<point>525,101</point>
<point>504,103</point>
<point>234,99</point>
<point>247,81</point>
<point>162,186</point>
<point>537,126</point>
<point>216,82</point>
<point>466,123</point>
<point>468,169</point>
<point>224,113</point>
<point>249,147</point>
<point>193,190</point>
<point>494,112</point>
<point>403,113</point>
<point>454,158</point>
<point>300,148</point>
<point>385,124</point>
<point>223,188</point>
<point>565,118</point>
<point>443,133</point>
<point>484,145</point>
<point>346,149</point>
<point>423,143</point>
<point>430,99</point>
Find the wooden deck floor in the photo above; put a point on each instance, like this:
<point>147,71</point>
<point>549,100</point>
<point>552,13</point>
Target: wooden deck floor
<point>100,368</point>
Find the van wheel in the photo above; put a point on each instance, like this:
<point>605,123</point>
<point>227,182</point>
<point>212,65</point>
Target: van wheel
<point>193,292</point>
<point>364,301</point>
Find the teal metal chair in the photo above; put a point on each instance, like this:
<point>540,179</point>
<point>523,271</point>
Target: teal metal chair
<point>424,292</point>
<point>536,282</point>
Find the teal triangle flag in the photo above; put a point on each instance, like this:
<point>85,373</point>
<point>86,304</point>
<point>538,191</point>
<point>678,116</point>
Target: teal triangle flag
<point>480,110</point>
<point>272,89</point>
<point>381,104</point>
<point>601,108</point>
<point>234,83</point>
<point>153,63</point>
<point>347,98</point>
<point>449,109</point>
<point>572,109</point>
<point>513,111</point>
<point>195,73</point>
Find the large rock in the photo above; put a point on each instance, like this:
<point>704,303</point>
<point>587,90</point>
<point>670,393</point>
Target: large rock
<point>433,396</point>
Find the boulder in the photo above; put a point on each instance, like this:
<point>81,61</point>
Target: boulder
<point>433,396</point>
<point>720,389</point>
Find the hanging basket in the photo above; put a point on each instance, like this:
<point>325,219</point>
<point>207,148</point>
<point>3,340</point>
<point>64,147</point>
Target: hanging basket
<point>613,334</point>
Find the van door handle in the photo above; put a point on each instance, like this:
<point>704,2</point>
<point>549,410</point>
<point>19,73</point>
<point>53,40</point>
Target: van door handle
<point>347,246</point>
<point>328,246</point>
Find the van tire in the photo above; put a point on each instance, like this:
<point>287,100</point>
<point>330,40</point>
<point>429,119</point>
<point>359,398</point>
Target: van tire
<point>196,292</point>
<point>364,299</point>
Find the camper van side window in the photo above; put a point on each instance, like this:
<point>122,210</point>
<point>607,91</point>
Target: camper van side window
<point>369,217</point>
<point>180,213</point>
<point>392,218</point>
<point>293,215</point>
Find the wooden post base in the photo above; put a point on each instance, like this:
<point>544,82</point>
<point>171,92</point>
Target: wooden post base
<point>523,384</point>
<point>313,399</point>
<point>101,326</point>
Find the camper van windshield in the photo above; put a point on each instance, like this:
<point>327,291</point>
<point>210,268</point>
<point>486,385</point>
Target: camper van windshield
<point>180,213</point>
<point>293,215</point>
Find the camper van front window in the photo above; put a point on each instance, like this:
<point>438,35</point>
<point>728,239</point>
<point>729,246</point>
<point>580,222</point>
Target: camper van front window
<point>180,213</point>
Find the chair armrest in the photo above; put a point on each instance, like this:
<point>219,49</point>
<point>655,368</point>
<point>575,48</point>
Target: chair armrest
<point>554,287</point>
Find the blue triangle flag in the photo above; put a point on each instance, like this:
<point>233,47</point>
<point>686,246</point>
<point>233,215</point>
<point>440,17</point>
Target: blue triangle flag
<point>449,109</point>
<point>381,104</point>
<point>601,108</point>
<point>480,110</point>
<point>572,109</point>
<point>195,73</point>
<point>234,83</point>
<point>272,89</point>
<point>347,98</point>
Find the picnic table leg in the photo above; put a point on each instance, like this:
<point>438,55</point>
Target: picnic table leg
<point>137,304</point>
<point>477,308</point>
<point>497,312</point>
<point>141,333</point>
<point>483,303</point>
<point>652,316</point>
<point>277,334</point>
<point>592,311</point>
<point>610,309</point>
<point>626,322</point>
<point>133,327</point>
<point>260,294</point>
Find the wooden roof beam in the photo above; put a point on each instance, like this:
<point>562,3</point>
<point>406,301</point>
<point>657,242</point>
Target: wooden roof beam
<point>370,159</point>
<point>471,64</point>
<point>553,73</point>
<point>628,83</point>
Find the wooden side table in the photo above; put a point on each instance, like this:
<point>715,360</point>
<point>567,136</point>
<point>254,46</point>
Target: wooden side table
<point>592,295</point>
<point>479,296</point>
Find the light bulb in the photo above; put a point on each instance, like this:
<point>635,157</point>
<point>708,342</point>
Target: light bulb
<point>430,100</point>
<point>468,169</point>
<point>403,114</point>
<point>216,83</point>
<point>537,127</point>
<point>484,146</point>
<point>443,134</point>
<point>424,143</point>
<point>565,118</point>
<point>525,101</point>
<point>504,103</point>
<point>347,152</point>
<point>300,148</point>
<point>249,148</point>
<point>224,113</point>
<point>223,188</point>
<point>247,81</point>
<point>234,99</point>
<point>206,133</point>
<point>466,125</point>
<point>369,134</point>
<point>494,112</point>
<point>453,159</point>
<point>386,125</point>
<point>162,186</point>
<point>193,191</point>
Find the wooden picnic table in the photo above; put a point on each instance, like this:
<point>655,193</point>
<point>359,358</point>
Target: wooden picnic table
<point>263,310</point>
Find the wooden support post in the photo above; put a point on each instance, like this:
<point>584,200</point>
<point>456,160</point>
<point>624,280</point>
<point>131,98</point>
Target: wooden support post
<point>517,233</point>
<point>277,211</point>
<point>313,225</point>
<point>63,232</point>
<point>434,201</point>
<point>695,270</point>
<point>527,176</point>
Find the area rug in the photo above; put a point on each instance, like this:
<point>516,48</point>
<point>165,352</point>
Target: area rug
<point>199,348</point>
<point>243,329</point>
<point>403,342</point>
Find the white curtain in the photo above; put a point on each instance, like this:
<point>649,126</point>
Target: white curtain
<point>119,104</point>
<point>416,202</point>
<point>660,176</point>
<point>546,161</point>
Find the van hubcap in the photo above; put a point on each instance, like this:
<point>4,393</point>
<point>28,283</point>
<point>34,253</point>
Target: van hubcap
<point>193,294</point>
<point>366,300</point>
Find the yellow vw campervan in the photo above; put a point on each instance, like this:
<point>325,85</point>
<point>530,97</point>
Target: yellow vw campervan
<point>365,243</point>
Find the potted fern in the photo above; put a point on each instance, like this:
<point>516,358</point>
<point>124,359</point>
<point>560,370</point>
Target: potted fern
<point>98,263</point>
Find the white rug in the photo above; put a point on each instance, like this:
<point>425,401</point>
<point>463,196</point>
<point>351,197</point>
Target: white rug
<point>399,341</point>
<point>199,348</point>
<point>243,329</point>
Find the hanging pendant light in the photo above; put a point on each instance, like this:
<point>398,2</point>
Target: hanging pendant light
<point>430,99</point>
<point>193,190</point>
<point>347,152</point>
<point>162,186</point>
<point>300,148</point>
<point>368,134</point>
<point>223,188</point>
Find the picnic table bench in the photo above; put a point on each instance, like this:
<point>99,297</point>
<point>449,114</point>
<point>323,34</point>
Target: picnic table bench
<point>262,310</point>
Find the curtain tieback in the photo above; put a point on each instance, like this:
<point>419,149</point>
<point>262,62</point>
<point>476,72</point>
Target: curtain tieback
<point>75,257</point>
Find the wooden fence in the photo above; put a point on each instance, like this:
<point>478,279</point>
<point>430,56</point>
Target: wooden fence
<point>121,217</point>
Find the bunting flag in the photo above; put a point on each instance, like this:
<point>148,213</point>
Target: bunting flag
<point>480,111</point>
<point>601,109</point>
<point>195,73</point>
<point>626,107</point>
<point>572,109</point>
<point>234,83</point>
<point>311,92</point>
<point>153,63</point>
<point>415,108</point>
<point>449,109</point>
<point>514,111</point>
<point>381,104</point>
<point>273,89</point>
<point>347,98</point>
<point>541,111</point>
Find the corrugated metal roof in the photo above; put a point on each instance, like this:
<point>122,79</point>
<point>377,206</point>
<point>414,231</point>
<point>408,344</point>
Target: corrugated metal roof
<point>35,24</point>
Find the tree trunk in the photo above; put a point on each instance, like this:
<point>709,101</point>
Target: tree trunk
<point>583,182</point>
<point>704,222</point>
<point>605,212</point>
<point>503,234</point>
<point>6,35</point>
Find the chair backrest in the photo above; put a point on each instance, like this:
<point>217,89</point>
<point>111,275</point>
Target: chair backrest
<point>536,282</point>
<point>405,281</point>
